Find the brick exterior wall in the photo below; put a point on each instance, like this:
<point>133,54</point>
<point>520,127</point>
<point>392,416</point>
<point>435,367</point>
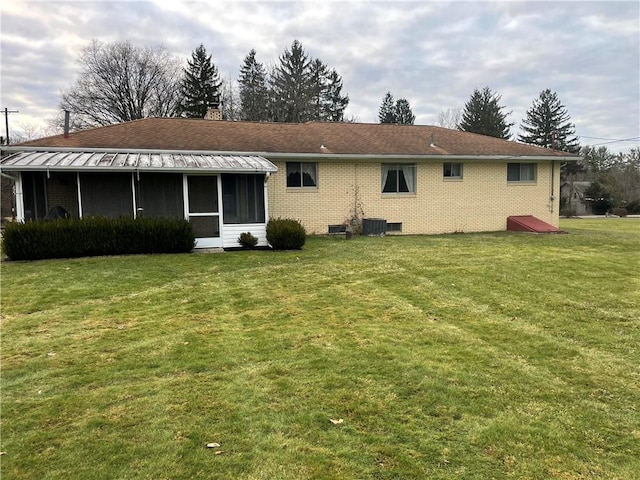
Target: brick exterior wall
<point>481,201</point>
<point>62,190</point>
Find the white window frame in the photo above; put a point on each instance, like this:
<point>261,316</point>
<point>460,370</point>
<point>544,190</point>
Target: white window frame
<point>521,171</point>
<point>460,166</point>
<point>303,165</point>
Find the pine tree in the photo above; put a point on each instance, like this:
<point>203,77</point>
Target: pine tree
<point>547,125</point>
<point>292,86</point>
<point>334,103</point>
<point>200,85</point>
<point>254,93</point>
<point>387,111</point>
<point>483,114</point>
<point>318,72</point>
<point>403,113</point>
<point>398,112</point>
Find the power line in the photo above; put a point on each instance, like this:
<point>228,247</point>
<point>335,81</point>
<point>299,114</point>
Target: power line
<point>603,138</point>
<point>611,140</point>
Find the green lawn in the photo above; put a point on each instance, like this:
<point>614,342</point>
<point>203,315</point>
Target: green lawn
<point>470,356</point>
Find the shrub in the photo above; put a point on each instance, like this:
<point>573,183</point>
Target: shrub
<point>247,240</point>
<point>620,211</point>
<point>633,207</point>
<point>285,234</point>
<point>599,197</point>
<point>72,237</point>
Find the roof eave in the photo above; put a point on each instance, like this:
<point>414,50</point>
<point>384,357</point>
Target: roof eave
<point>303,155</point>
<point>54,168</point>
<point>415,157</point>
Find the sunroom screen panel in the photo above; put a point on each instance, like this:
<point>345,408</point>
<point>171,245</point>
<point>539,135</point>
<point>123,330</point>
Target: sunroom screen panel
<point>106,194</point>
<point>160,195</point>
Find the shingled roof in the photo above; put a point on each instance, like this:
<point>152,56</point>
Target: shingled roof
<point>182,134</point>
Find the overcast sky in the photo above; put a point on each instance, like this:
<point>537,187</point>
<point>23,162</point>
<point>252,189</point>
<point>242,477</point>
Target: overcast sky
<point>432,53</point>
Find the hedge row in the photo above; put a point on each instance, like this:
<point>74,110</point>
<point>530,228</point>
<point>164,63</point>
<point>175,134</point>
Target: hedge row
<point>70,237</point>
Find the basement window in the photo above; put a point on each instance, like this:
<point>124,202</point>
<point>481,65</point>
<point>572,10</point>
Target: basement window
<point>394,226</point>
<point>521,172</point>
<point>337,228</point>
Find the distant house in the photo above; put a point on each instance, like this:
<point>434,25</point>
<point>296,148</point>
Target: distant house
<point>576,201</point>
<point>231,177</point>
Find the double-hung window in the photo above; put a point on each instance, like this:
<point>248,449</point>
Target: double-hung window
<point>521,172</point>
<point>302,174</point>
<point>452,170</point>
<point>398,178</point>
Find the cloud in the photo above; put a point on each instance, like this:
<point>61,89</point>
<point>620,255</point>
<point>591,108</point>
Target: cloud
<point>432,53</point>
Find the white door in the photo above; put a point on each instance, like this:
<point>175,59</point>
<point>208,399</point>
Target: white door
<point>202,209</point>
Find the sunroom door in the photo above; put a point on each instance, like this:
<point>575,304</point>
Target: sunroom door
<point>203,211</point>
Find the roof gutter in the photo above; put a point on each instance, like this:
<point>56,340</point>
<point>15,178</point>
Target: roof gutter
<point>309,156</point>
<point>448,157</point>
<point>54,168</point>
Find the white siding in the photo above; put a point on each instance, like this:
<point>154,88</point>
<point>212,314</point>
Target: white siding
<point>230,234</point>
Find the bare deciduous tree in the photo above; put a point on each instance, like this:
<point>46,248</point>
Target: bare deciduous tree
<point>25,130</point>
<point>119,81</point>
<point>450,118</point>
<point>230,99</point>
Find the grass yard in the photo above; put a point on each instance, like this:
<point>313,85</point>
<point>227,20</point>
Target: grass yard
<point>471,356</point>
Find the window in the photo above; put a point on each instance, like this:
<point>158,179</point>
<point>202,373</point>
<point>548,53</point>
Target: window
<point>337,228</point>
<point>394,227</point>
<point>452,170</point>
<point>521,172</point>
<point>398,178</point>
<point>302,174</point>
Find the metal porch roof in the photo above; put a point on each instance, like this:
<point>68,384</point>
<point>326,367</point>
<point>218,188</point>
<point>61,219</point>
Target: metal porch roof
<point>94,161</point>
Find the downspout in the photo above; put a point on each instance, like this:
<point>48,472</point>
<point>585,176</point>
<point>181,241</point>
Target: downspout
<point>79,195</point>
<point>133,193</point>
<point>552,197</point>
<point>266,197</point>
<point>19,199</point>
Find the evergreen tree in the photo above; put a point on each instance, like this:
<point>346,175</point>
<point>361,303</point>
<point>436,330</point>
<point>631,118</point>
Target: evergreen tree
<point>200,85</point>
<point>334,103</point>
<point>483,114</point>
<point>398,112</point>
<point>387,111</point>
<point>254,93</point>
<point>318,72</point>
<point>404,115</point>
<point>547,125</point>
<point>597,160</point>
<point>292,86</point>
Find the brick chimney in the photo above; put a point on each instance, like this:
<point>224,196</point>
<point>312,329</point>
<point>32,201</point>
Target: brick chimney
<point>213,111</point>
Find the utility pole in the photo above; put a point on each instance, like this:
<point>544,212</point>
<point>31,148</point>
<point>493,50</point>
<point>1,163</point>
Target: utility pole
<point>6,112</point>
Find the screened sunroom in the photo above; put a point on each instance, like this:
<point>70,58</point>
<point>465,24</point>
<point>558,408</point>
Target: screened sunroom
<point>221,195</point>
